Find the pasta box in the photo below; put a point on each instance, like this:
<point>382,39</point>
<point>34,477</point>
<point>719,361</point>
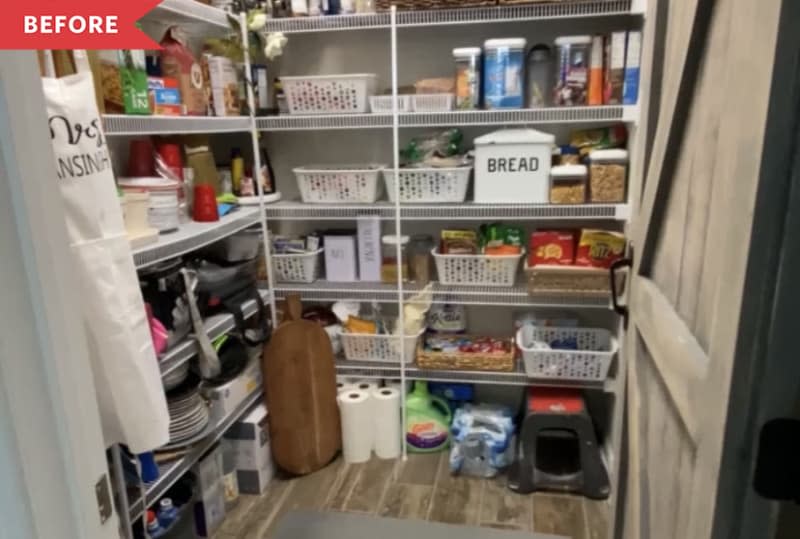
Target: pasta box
<point>513,166</point>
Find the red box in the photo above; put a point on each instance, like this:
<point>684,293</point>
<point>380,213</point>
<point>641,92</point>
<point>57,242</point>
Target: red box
<point>552,247</point>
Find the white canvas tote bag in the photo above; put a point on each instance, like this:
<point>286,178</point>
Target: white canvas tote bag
<point>126,374</point>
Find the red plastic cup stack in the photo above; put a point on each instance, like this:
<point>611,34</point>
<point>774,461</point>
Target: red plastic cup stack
<point>140,159</point>
<point>205,204</point>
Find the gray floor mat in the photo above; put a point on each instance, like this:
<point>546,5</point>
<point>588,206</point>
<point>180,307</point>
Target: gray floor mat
<point>318,525</point>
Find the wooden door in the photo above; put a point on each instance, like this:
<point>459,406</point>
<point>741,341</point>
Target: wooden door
<point>691,238</point>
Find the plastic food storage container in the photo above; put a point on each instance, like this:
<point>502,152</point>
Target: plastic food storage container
<point>513,165</point>
<point>609,171</point>
<point>468,77</point>
<point>568,184</point>
<point>420,260</point>
<point>540,77</point>
<point>389,262</point>
<point>162,211</point>
<point>572,70</point>
<point>503,69</point>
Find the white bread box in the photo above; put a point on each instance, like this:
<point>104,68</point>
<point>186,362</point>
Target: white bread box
<point>513,166</point>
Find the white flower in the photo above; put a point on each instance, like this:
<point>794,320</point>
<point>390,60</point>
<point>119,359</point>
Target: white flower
<point>258,22</point>
<point>275,44</point>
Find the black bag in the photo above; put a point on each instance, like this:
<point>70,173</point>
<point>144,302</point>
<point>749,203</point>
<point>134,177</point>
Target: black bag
<point>226,289</point>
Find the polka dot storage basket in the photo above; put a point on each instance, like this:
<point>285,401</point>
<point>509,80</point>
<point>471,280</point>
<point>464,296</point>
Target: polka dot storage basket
<point>297,268</point>
<point>429,185</point>
<point>329,94</point>
<point>339,184</point>
<point>585,353</point>
<point>477,270</point>
<point>384,348</point>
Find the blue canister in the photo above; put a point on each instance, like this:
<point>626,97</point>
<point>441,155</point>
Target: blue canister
<point>503,73</point>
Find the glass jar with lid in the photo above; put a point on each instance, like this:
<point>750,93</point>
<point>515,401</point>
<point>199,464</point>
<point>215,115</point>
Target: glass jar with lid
<point>389,263</point>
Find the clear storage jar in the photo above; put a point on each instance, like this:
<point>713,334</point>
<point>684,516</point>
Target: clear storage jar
<point>468,77</point>
<point>503,72</point>
<point>608,175</point>
<point>390,266</point>
<point>540,77</point>
<point>420,259</point>
<point>568,184</point>
<point>572,70</point>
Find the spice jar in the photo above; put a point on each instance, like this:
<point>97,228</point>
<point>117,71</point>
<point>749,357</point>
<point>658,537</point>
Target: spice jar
<point>389,263</point>
<point>568,184</point>
<point>419,254</point>
<point>608,174</point>
<point>468,77</point>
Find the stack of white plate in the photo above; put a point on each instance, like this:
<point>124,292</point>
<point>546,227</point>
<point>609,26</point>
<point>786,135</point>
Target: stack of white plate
<point>188,414</point>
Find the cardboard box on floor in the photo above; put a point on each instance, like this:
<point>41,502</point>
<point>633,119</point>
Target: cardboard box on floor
<point>209,508</point>
<point>250,439</point>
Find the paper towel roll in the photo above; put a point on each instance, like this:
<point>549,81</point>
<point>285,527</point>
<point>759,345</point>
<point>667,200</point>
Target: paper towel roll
<point>366,384</point>
<point>343,386</point>
<point>395,383</point>
<point>357,425</point>
<point>385,406</point>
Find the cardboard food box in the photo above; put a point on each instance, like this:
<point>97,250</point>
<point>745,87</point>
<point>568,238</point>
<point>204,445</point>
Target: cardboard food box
<point>552,247</point>
<point>253,458</point>
<point>165,97</point>
<point>224,82</point>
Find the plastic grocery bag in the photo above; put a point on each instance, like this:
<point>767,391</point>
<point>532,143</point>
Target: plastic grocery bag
<point>131,400</point>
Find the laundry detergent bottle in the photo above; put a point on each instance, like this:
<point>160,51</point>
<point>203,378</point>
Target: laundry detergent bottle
<point>427,421</point>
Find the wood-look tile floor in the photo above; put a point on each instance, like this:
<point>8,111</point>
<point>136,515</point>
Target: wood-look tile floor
<point>419,488</point>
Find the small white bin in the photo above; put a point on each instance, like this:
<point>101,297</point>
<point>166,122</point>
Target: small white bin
<point>329,94</point>
<point>429,185</point>
<point>513,166</point>
<point>385,348</point>
<point>339,184</point>
<point>477,270</point>
<point>382,104</point>
<point>297,268</point>
<point>432,102</point>
<point>590,362</point>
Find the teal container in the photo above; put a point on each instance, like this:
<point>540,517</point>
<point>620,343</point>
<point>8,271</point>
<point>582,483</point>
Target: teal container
<point>427,421</point>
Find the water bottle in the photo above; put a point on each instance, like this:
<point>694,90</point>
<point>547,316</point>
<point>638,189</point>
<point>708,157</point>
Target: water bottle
<point>154,529</point>
<point>167,513</point>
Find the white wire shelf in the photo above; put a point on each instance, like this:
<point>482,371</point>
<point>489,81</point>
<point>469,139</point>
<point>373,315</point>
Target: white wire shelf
<point>540,116</point>
<point>465,211</point>
<point>193,235</point>
<point>435,17</point>
<point>189,13</point>
<point>325,291</point>
<point>215,326</point>
<point>171,472</point>
<point>129,124</point>
<point>381,370</point>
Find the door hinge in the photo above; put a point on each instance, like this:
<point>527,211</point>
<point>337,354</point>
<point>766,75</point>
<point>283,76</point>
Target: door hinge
<point>103,494</point>
<point>615,278</point>
<point>777,473</point>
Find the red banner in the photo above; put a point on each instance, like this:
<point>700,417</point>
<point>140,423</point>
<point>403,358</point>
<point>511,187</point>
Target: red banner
<point>74,24</point>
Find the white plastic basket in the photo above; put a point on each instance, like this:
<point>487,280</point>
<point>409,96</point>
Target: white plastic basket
<point>382,104</point>
<point>432,102</point>
<point>329,94</point>
<point>477,270</point>
<point>339,184</point>
<point>429,184</point>
<point>590,362</point>
<point>297,268</point>
<point>386,348</point>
